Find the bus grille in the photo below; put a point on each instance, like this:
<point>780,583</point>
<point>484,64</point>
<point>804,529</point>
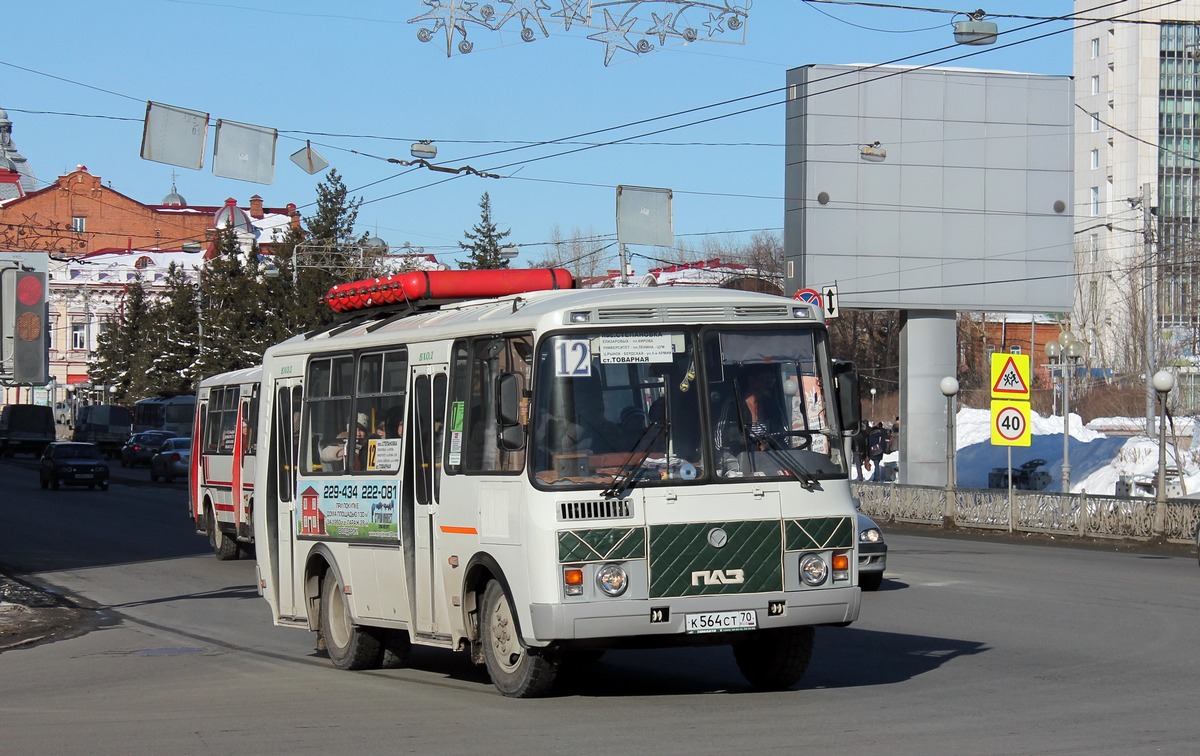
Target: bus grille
<point>601,509</point>
<point>761,311</point>
<point>627,313</point>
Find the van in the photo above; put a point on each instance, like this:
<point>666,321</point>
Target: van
<point>105,425</point>
<point>25,428</point>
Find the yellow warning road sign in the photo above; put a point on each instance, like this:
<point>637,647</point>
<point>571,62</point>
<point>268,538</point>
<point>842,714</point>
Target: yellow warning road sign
<point>1010,423</point>
<point>1010,376</point>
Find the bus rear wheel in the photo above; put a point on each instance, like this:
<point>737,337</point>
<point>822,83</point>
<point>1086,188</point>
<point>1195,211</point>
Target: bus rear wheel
<point>775,659</point>
<point>223,546</point>
<point>516,671</point>
<point>348,645</point>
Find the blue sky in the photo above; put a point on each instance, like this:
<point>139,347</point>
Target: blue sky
<point>354,78</point>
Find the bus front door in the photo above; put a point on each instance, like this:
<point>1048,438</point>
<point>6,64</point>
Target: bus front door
<point>425,438</point>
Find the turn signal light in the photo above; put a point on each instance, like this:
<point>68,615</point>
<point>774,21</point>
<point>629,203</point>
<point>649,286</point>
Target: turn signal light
<point>573,581</point>
<point>841,567</point>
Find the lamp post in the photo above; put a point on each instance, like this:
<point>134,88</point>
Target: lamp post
<point>1163,383</point>
<point>873,390</point>
<point>1066,351</point>
<point>949,387</point>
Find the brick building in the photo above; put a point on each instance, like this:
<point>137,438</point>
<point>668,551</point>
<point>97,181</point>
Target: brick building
<point>99,240</point>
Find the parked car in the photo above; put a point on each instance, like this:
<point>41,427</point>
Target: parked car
<point>140,447</point>
<point>26,428</point>
<point>872,553</point>
<point>172,461</point>
<point>62,414</point>
<point>72,463</point>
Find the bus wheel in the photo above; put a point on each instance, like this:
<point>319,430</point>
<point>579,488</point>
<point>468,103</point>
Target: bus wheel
<point>223,546</point>
<point>348,646</point>
<point>775,659</point>
<point>397,648</point>
<point>516,671</point>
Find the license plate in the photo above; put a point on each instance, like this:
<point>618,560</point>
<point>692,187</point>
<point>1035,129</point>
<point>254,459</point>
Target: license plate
<point>84,476</point>
<point>716,622</point>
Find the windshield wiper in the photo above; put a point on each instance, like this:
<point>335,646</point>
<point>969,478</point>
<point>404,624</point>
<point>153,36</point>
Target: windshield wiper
<point>781,455</point>
<point>624,477</point>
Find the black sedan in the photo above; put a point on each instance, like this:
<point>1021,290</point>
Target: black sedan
<point>142,446</point>
<point>71,463</point>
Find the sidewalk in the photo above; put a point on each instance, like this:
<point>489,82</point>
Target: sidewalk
<point>30,615</point>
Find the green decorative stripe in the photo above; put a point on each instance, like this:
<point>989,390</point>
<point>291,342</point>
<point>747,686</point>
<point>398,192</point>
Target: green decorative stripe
<point>820,533</point>
<point>684,560</point>
<point>601,545</point>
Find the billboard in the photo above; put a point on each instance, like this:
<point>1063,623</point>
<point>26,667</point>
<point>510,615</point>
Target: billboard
<point>930,189</point>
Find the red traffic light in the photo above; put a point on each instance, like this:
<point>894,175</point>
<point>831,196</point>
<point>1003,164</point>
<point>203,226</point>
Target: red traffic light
<point>30,289</point>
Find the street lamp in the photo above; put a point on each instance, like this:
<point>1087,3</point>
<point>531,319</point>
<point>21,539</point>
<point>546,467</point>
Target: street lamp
<point>949,386</point>
<point>1066,351</point>
<point>1163,383</point>
<point>872,403</point>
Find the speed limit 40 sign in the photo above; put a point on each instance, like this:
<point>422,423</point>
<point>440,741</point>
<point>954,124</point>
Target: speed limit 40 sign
<point>1010,423</point>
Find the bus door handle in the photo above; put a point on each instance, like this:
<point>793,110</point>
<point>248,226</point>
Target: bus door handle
<point>672,496</point>
<point>758,492</point>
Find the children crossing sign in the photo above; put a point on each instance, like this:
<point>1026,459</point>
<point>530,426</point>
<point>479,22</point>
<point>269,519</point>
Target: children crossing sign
<point>1010,376</point>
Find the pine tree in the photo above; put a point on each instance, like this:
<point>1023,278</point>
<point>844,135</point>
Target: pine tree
<point>329,253</point>
<point>484,241</point>
<point>169,354</point>
<point>122,339</point>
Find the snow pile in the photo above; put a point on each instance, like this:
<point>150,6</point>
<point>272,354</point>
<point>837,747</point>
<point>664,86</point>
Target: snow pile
<point>1097,460</point>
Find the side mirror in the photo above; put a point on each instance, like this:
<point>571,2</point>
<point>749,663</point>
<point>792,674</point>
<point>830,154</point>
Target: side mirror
<point>508,412</point>
<point>845,385</point>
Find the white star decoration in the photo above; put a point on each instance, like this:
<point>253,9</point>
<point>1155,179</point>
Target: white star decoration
<point>614,37</point>
<point>621,19</point>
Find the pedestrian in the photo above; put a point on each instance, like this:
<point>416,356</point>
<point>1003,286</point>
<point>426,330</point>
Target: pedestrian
<point>876,448</point>
<point>858,449</point>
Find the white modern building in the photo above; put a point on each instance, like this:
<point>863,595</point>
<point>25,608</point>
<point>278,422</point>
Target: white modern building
<point>1137,164</point>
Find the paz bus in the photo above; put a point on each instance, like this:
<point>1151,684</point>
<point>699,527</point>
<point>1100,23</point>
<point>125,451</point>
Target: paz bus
<point>221,478</point>
<point>498,463</point>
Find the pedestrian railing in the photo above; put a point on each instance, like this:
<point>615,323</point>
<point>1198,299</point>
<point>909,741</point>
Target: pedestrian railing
<point>1079,514</point>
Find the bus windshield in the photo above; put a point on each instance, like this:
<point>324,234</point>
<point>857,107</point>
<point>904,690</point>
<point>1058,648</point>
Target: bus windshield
<point>683,405</point>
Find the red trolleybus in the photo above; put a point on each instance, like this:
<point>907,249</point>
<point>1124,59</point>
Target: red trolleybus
<point>221,481</point>
<point>495,462</point>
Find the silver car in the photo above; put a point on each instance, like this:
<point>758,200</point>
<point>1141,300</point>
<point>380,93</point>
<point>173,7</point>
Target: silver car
<point>172,461</point>
<point>872,553</point>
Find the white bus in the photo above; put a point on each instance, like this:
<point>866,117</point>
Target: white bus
<point>221,479</point>
<point>544,474</point>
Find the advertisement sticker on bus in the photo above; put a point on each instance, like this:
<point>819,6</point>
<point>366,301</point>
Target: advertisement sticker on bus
<point>349,508</point>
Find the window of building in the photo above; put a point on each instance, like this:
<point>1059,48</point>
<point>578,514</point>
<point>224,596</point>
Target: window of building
<point>79,336</point>
<point>1094,248</point>
<point>1094,202</point>
<point>78,224</point>
<point>1095,159</point>
<point>1095,121</point>
<point>1095,47</point>
<point>1094,292</point>
<point>1095,85</point>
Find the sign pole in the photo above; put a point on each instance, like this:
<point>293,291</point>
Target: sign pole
<point>1010,494</point>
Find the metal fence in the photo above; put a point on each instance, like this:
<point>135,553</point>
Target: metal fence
<point>1083,515</point>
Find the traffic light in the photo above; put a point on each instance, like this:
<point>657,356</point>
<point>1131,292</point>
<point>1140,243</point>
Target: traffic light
<point>31,358</point>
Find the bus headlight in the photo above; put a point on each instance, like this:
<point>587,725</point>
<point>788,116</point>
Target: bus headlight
<point>612,579</point>
<point>813,570</point>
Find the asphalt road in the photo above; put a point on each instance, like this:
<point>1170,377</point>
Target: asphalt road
<point>973,646</point>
